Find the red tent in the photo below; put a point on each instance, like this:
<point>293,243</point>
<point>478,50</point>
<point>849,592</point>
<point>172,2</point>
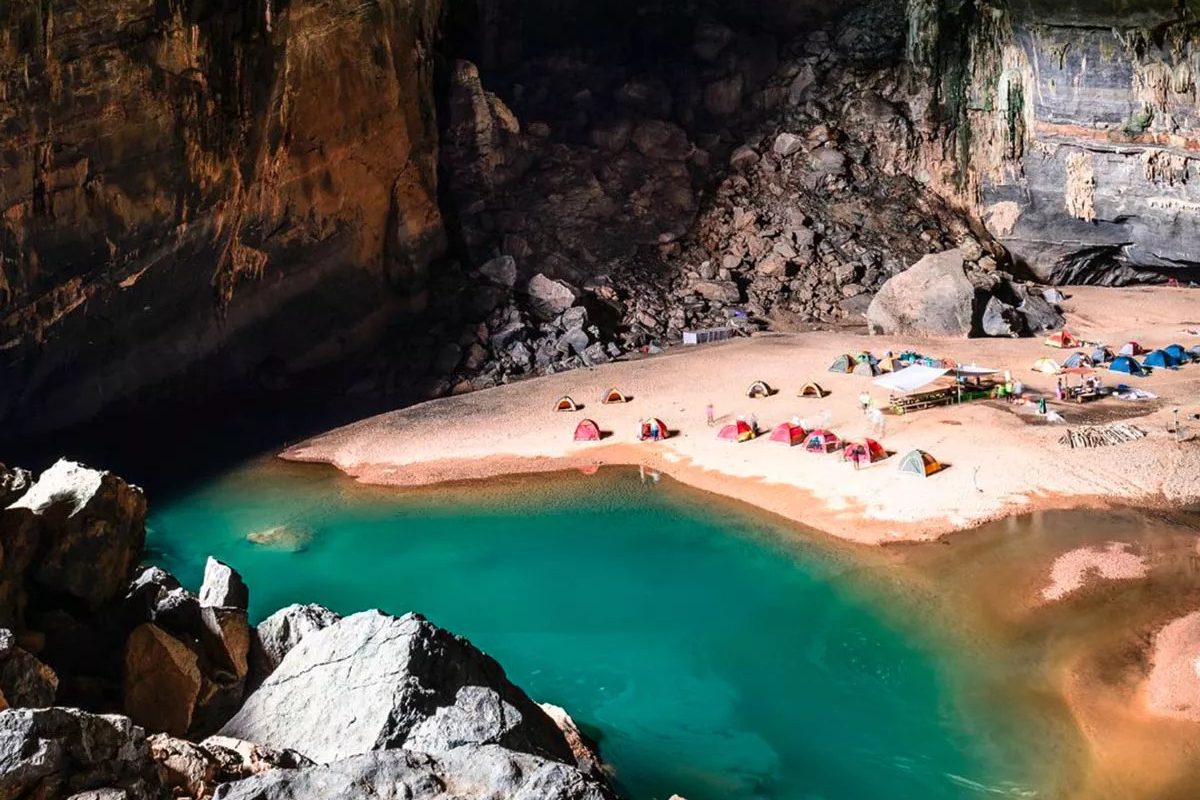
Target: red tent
<point>737,432</point>
<point>820,441</point>
<point>789,434</point>
<point>653,430</point>
<point>587,431</point>
<point>1062,339</point>
<point>864,453</point>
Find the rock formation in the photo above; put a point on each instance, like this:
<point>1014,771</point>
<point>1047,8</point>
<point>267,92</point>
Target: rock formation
<point>275,636</point>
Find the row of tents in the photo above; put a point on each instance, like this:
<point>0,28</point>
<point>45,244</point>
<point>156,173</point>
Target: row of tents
<point>567,403</point>
<point>1169,357</point>
<point>651,429</point>
<point>860,453</point>
<point>868,366</point>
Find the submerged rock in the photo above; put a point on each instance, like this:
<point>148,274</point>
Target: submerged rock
<point>288,538</point>
<point>373,681</point>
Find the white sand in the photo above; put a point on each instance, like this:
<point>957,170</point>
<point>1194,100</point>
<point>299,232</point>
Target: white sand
<point>1113,562</point>
<point>999,463</point>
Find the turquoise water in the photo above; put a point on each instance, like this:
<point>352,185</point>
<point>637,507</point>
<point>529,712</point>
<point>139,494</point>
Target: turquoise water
<point>711,657</point>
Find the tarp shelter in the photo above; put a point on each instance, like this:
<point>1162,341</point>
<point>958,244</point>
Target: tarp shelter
<point>842,364</point>
<point>1047,365</point>
<point>910,379</point>
<point>614,396</point>
<point>1127,365</point>
<point>587,431</point>
<point>1078,360</point>
<point>565,404</point>
<point>652,429</point>
<point>1062,340</point>
<point>759,389</point>
<point>1179,353</point>
<point>736,432</point>
<point>789,433</point>
<point>820,442</point>
<point>918,462</point>
<point>1130,349</point>
<point>865,369</point>
<point>812,390</point>
<point>1102,355</point>
<point>1160,359</point>
<point>864,453</point>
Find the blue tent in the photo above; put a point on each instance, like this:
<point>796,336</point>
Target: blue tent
<point>1102,355</point>
<point>1160,359</point>
<point>1077,360</point>
<point>1127,365</point>
<point>1177,352</point>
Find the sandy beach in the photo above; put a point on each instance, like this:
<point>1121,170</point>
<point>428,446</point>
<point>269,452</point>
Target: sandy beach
<point>1000,459</point>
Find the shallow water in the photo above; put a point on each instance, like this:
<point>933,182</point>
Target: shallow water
<point>712,652</point>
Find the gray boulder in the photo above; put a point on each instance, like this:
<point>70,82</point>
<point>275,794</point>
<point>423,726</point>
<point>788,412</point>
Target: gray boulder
<point>276,635</point>
<point>1001,319</point>
<point>155,595</point>
<point>470,773</point>
<point>1039,314</point>
<point>548,298</point>
<point>25,682</point>
<point>931,298</point>
<point>223,586</point>
<point>59,753</point>
<point>717,291</point>
<point>373,682</point>
<point>500,271</point>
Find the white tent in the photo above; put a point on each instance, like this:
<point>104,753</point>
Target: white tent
<point>911,378</point>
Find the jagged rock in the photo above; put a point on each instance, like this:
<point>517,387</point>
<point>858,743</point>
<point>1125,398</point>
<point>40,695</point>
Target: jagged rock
<point>372,681</point>
<point>931,298</point>
<point>63,753</point>
<point>786,144</point>
<point>469,773</point>
<point>25,682</point>
<point>573,341</point>
<point>574,317</point>
<point>587,754</point>
<point>223,586</point>
<point>548,298</point>
<point>1039,315</point>
<point>78,531</point>
<point>717,291</point>
<point>195,770</point>
<point>828,161</point>
<point>661,140</point>
<point>162,680</point>
<point>155,595</point>
<point>501,271</point>
<point>226,638</point>
<point>1001,319</point>
<point>276,635</point>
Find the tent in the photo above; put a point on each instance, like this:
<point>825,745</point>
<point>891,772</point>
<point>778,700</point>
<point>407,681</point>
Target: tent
<point>1127,365</point>
<point>789,433</point>
<point>1062,340</point>
<point>842,364</point>
<point>1102,355</point>
<point>918,462</point>
<point>736,432</point>
<point>1195,353</point>
<point>1131,349</point>
<point>759,389</point>
<point>614,396</point>
<point>565,404</point>
<point>1160,359</point>
<point>820,442</point>
<point>587,431</point>
<point>1177,352</point>
<point>864,453</point>
<point>866,369</point>
<point>652,429</point>
<point>1078,360</point>
<point>812,390</point>
<point>890,364</point>
<point>1047,365</point>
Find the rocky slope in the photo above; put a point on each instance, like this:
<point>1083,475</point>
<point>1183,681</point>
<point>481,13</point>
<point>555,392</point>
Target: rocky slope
<point>305,705</point>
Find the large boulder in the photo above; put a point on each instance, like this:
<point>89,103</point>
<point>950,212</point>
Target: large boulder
<point>76,531</point>
<point>548,298</point>
<point>469,773</point>
<point>25,682</point>
<point>375,682</point>
<point>223,586</point>
<point>276,635</point>
<point>931,298</point>
<point>60,753</point>
<point>162,680</point>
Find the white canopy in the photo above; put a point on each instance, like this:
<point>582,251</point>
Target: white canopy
<point>910,379</point>
<point>971,369</point>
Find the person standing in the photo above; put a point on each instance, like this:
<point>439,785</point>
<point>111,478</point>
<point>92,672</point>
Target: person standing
<point>708,411</point>
<point>864,400</point>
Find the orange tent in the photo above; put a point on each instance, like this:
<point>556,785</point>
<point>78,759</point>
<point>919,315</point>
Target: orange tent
<point>1062,339</point>
<point>566,404</point>
<point>587,431</point>
<point>614,396</point>
<point>820,441</point>
<point>789,433</point>
<point>864,453</point>
<point>653,430</point>
<point>737,432</point>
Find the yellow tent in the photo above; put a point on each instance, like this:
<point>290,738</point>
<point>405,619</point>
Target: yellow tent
<point>1047,365</point>
<point>566,404</point>
<point>614,396</point>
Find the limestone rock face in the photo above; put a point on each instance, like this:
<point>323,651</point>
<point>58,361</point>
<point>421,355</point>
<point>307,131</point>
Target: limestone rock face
<point>223,586</point>
<point>468,773</point>
<point>75,531</point>
<point>60,753</point>
<point>931,298</point>
<point>276,635</point>
<point>372,682</point>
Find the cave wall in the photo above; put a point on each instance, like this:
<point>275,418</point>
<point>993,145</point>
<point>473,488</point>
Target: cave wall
<point>207,188</point>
